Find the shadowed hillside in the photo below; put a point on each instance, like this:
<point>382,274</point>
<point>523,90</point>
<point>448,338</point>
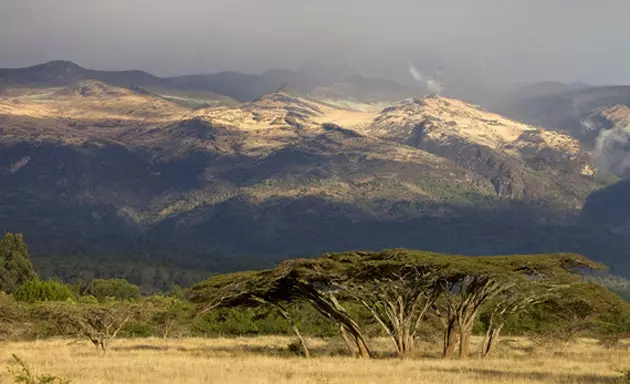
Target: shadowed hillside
<point>90,166</point>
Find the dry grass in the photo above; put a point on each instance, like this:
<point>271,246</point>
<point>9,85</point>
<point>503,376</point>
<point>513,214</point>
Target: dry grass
<point>266,360</point>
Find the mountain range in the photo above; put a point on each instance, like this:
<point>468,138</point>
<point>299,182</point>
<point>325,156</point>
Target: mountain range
<point>229,170</point>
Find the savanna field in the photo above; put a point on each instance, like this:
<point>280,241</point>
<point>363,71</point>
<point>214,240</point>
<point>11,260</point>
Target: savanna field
<point>269,360</point>
<point>395,316</point>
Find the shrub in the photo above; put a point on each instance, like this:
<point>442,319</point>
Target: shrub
<point>229,321</point>
<point>138,329</point>
<point>119,289</point>
<point>37,290</point>
<point>295,349</point>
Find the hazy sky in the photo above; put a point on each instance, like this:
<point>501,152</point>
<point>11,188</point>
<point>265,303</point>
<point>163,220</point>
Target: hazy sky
<point>509,40</point>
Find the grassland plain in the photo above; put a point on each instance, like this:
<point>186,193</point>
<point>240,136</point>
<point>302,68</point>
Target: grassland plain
<point>268,360</point>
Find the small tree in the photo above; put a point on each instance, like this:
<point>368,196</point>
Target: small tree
<point>15,262</point>
<point>100,323</point>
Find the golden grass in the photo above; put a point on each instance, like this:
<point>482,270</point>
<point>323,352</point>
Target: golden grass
<point>265,360</point>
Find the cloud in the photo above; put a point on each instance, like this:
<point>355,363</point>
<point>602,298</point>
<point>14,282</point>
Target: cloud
<point>612,150</point>
<point>168,37</point>
<point>417,75</point>
<point>431,83</point>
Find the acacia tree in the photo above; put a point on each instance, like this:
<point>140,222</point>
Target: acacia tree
<point>245,288</point>
<point>456,287</point>
<point>471,283</point>
<point>398,287</point>
<point>103,324</point>
<point>322,297</point>
<point>310,280</point>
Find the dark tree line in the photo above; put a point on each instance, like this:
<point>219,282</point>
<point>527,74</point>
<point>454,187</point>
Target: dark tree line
<point>408,296</point>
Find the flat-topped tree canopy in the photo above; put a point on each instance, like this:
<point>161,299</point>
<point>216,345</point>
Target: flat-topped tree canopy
<point>283,283</point>
<point>556,266</point>
<point>404,277</point>
<point>278,284</point>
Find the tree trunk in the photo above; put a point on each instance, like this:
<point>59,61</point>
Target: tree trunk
<point>492,335</point>
<point>465,323</point>
<point>364,352</point>
<point>297,333</point>
<point>346,339</point>
<point>488,341</point>
<point>464,340</point>
<point>341,315</point>
<point>407,345</point>
<point>449,339</point>
<point>400,342</point>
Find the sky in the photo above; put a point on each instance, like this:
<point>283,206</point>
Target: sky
<point>496,40</point>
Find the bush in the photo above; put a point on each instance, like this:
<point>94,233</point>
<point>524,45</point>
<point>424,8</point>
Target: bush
<point>118,289</point>
<point>37,290</point>
<point>12,318</point>
<point>238,321</point>
<point>170,315</point>
<point>138,330</point>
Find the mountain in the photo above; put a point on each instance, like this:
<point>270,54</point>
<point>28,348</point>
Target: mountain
<point>60,73</point>
<point>522,162</point>
<point>324,79</point>
<point>98,169</point>
<point>597,116</point>
<point>66,73</point>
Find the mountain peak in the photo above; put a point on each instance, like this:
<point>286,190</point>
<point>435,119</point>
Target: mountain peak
<point>93,88</point>
<point>58,65</point>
